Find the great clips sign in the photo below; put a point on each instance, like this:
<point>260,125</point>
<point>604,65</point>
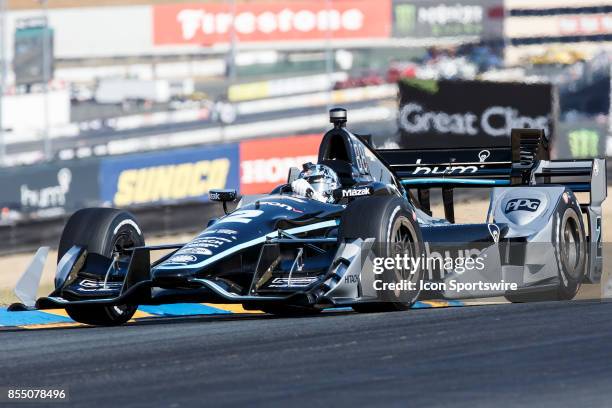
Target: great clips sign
<point>447,114</point>
<point>206,24</point>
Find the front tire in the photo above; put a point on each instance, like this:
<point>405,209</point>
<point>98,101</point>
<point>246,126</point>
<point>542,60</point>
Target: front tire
<point>95,315</point>
<point>392,223</point>
<point>105,232</point>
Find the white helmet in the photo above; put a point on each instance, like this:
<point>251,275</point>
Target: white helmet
<point>322,179</point>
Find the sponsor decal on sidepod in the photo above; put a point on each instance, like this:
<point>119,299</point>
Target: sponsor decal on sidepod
<point>356,192</point>
<point>522,204</point>
<point>182,259</point>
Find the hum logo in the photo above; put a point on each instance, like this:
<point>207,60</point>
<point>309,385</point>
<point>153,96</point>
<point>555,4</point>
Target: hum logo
<point>522,204</point>
<point>48,197</point>
<point>425,170</point>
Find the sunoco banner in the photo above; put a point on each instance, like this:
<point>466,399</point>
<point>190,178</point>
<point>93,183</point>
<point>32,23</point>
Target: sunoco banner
<point>168,176</point>
<point>446,114</point>
<point>425,18</point>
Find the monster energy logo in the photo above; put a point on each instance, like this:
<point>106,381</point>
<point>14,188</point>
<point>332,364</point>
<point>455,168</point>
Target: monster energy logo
<point>583,143</point>
<point>405,18</point>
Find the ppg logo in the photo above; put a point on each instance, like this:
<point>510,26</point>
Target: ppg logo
<point>522,204</point>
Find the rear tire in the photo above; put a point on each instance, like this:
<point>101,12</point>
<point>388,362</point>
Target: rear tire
<point>392,223</point>
<point>101,231</point>
<point>570,255</point>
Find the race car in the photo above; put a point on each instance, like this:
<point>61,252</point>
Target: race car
<point>290,254</point>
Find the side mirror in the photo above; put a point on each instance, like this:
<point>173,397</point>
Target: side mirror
<point>223,195</point>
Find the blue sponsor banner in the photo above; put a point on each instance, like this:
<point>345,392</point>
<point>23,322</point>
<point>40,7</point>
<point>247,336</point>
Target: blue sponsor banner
<point>50,189</point>
<point>168,176</point>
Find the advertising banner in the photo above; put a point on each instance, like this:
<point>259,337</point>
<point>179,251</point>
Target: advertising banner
<point>580,139</point>
<point>168,176</point>
<point>50,189</point>
<point>558,25</point>
<point>29,64</point>
<point>211,23</point>
<point>264,164</point>
<point>451,114</point>
<point>427,19</point>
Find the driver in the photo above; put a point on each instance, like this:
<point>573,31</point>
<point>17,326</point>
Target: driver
<point>316,181</point>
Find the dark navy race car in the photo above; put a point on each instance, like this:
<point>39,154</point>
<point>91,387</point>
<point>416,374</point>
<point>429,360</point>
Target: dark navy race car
<point>288,254</point>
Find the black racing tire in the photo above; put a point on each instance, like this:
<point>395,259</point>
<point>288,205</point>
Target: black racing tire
<point>96,315</point>
<point>101,231</point>
<point>569,240</point>
<point>392,223</point>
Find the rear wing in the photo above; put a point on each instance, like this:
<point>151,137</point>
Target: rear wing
<point>469,167</point>
<point>524,163</point>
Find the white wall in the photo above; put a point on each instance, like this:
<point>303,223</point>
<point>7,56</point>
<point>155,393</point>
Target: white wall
<point>26,113</point>
<point>95,31</point>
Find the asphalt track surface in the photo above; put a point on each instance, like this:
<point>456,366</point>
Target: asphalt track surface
<point>544,355</point>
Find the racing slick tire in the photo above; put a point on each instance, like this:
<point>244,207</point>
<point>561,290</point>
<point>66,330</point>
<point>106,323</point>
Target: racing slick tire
<point>392,223</point>
<point>570,255</point>
<point>103,231</point>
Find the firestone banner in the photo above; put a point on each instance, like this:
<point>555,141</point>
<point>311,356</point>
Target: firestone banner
<point>207,24</point>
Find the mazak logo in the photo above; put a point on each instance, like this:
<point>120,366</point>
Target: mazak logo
<point>522,204</point>
<point>356,192</point>
<point>443,170</point>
